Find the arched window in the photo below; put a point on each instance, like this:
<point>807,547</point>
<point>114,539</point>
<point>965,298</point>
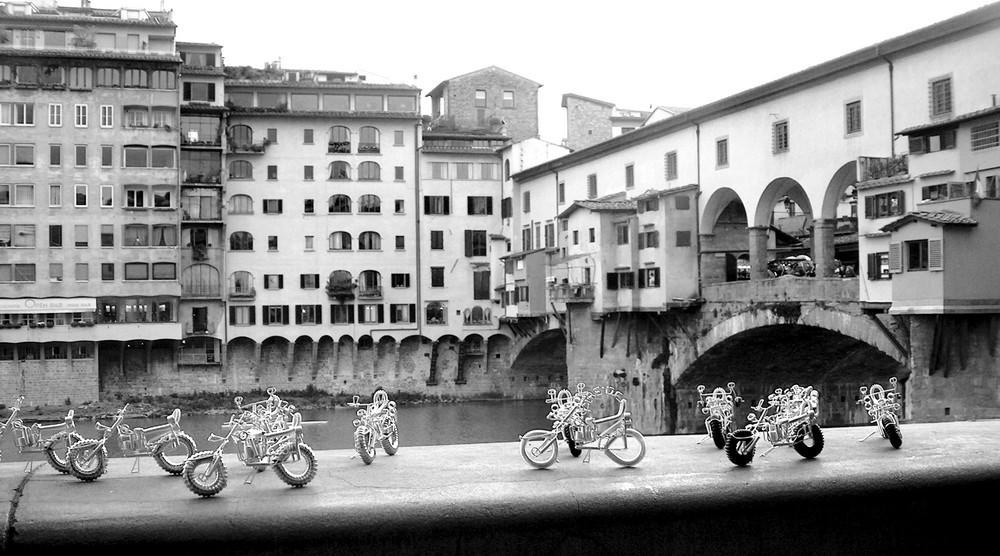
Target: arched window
<point>340,140</point>
<point>340,170</point>
<point>340,284</point>
<point>200,280</point>
<point>240,241</point>
<point>240,204</point>
<point>369,204</point>
<point>368,140</point>
<point>477,315</point>
<point>340,241</point>
<point>436,312</point>
<point>240,170</point>
<point>369,241</point>
<point>369,171</point>
<point>339,204</point>
<point>369,284</point>
<point>241,284</point>
<point>240,138</point>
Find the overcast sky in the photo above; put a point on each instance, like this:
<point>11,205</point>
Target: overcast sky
<point>633,54</point>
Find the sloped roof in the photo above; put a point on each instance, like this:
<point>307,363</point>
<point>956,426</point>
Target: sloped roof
<point>943,218</point>
<point>616,202</point>
<point>651,193</point>
<point>12,52</point>
<point>881,182</point>
<point>437,90</point>
<point>588,99</point>
<point>951,121</point>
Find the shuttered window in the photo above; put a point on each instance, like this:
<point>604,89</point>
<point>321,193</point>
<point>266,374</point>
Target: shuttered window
<point>895,258</point>
<point>935,254</point>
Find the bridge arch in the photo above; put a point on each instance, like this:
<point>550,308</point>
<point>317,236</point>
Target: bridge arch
<point>854,326</point>
<point>543,356</point>
<point>842,179</point>
<point>772,195</point>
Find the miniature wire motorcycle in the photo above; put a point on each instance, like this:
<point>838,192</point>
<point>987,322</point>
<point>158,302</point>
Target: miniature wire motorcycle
<point>167,444</point>
<point>792,423</point>
<point>28,438</point>
<point>573,423</point>
<point>264,439</point>
<point>376,422</point>
<point>882,406</point>
<point>718,406</point>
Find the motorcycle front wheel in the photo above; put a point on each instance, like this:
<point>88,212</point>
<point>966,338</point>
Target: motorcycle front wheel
<point>893,433</point>
<point>627,450</point>
<point>391,442</point>
<point>364,443</point>
<point>88,460</point>
<point>811,444</point>
<point>737,447</point>
<point>172,454</point>
<point>532,452</point>
<point>715,427</point>
<point>202,476</point>
<point>297,469</point>
<point>57,451</point>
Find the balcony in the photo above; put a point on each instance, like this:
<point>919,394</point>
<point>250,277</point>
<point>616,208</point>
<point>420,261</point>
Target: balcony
<point>340,292</point>
<point>368,148</point>
<point>243,293</point>
<point>191,212</point>
<point>199,329</point>
<point>874,168</point>
<point>339,147</point>
<point>193,140</point>
<point>572,293</point>
<point>208,178</point>
<point>369,292</point>
<point>201,290</point>
<point>249,148</point>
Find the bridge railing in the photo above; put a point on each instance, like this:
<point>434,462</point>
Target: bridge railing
<point>784,288</point>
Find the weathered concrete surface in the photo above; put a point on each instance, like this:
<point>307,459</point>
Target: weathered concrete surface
<point>483,499</point>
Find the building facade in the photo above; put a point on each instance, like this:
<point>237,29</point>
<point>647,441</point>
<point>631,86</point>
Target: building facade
<point>490,98</point>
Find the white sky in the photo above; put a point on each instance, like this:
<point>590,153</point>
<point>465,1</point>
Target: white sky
<point>634,54</point>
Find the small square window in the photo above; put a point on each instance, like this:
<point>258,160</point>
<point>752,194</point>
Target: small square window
<point>272,135</point>
<point>272,172</point>
<point>397,138</point>
<point>272,243</point>
<point>307,136</point>
<point>307,172</point>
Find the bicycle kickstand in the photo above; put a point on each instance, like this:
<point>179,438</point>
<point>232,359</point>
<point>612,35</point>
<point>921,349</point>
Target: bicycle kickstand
<point>135,465</point>
<point>706,437</point>
<point>29,466</point>
<point>869,435</point>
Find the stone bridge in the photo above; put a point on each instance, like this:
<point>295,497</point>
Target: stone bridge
<point>769,333</point>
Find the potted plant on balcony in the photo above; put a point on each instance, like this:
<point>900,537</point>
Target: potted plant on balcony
<point>340,290</point>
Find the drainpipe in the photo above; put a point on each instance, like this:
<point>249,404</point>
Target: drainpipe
<point>892,107</point>
<point>697,202</point>
<point>416,224</point>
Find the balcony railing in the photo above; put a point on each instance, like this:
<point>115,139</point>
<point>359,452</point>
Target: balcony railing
<point>192,329</point>
<point>201,290</point>
<point>572,293</point>
<point>339,147</point>
<point>873,168</point>
<point>211,178</point>
<point>242,293</point>
<point>371,148</point>
<point>249,148</point>
<point>197,213</point>
<point>196,141</point>
<point>370,291</point>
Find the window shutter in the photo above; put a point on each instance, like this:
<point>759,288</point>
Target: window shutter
<point>361,316</point>
<point>870,206</point>
<point>654,239</point>
<point>265,315</point>
<point>895,258</point>
<point>612,281</point>
<point>298,314</point>
<point>252,310</point>
<point>318,309</point>
<point>468,243</point>
<point>468,205</point>
<point>350,314</point>
<point>872,264</point>
<point>284,314</point>
<point>642,279</point>
<point>302,281</point>
<point>427,204</point>
<point>413,312</point>
<point>281,281</point>
<point>381,313</point>
<point>948,139</point>
<point>447,205</point>
<point>642,240</point>
<point>935,254</point>
<point>392,314</point>
<point>640,207</point>
<point>489,205</point>
<point>916,144</point>
<point>900,202</point>
<point>280,205</point>
<point>232,315</point>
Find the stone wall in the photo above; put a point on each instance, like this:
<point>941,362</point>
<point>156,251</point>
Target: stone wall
<point>587,123</point>
<point>48,382</point>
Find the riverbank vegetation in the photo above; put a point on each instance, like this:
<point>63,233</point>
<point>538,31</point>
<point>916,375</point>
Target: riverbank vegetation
<point>214,402</point>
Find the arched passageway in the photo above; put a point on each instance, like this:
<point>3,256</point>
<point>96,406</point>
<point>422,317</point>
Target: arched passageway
<point>542,361</point>
<point>763,359</point>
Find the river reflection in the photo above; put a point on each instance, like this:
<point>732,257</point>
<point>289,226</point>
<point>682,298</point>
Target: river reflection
<point>419,425</point>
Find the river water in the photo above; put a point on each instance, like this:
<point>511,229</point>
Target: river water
<point>419,425</point>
